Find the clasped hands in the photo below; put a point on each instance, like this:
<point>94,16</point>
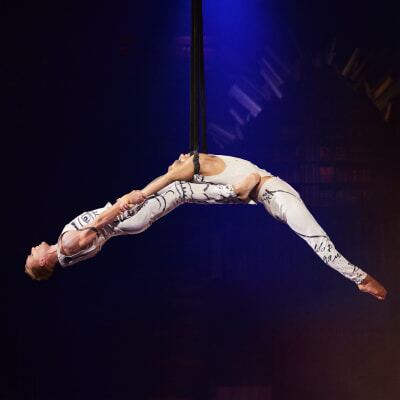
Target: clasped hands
<point>127,201</point>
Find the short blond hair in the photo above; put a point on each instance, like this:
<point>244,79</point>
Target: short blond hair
<point>39,273</point>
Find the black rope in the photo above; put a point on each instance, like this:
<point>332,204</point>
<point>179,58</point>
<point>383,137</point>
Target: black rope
<point>202,82</point>
<point>196,163</point>
<point>197,81</point>
<point>194,144</point>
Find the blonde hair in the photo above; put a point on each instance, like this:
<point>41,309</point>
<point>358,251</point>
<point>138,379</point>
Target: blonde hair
<point>39,273</point>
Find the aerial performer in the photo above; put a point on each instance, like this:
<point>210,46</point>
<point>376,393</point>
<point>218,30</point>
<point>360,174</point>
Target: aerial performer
<point>196,178</point>
<point>199,178</point>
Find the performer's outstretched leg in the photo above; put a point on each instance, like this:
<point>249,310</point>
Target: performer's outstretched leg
<point>142,216</point>
<point>285,204</point>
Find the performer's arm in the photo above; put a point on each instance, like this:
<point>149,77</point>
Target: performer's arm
<point>179,171</point>
<point>74,241</point>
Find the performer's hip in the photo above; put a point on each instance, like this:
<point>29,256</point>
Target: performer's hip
<point>274,194</point>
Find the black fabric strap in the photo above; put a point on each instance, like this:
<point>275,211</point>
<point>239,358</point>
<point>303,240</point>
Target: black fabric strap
<point>196,162</point>
<point>194,81</point>
<point>197,81</point>
<point>202,83</point>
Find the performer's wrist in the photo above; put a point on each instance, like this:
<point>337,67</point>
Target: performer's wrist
<point>136,195</point>
<point>144,193</point>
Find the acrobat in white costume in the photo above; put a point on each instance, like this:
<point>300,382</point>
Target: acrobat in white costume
<point>140,217</point>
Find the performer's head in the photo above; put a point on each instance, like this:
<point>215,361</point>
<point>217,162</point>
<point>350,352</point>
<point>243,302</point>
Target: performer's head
<point>40,262</point>
<point>182,158</point>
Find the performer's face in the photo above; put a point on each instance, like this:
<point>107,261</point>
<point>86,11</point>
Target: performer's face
<point>182,158</point>
<point>37,260</point>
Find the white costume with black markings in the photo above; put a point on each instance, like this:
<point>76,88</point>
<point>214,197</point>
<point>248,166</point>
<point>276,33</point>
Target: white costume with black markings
<point>140,217</point>
<point>285,204</point>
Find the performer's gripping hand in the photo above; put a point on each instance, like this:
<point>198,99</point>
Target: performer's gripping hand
<point>130,199</point>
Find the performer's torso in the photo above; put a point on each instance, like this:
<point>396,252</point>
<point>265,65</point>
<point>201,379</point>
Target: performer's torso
<point>231,171</point>
<point>79,223</point>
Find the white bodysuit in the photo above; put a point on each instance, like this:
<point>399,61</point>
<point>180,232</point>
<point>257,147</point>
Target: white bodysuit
<point>236,169</point>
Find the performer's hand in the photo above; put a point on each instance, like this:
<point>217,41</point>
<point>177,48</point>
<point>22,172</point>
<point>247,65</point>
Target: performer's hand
<point>136,197</point>
<point>127,201</point>
<point>123,203</point>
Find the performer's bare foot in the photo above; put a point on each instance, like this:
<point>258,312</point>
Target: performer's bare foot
<point>372,286</point>
<point>243,188</point>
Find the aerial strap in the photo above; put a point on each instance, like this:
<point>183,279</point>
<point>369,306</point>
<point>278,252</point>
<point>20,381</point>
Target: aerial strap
<point>197,82</point>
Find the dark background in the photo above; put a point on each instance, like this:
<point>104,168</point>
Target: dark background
<point>211,302</point>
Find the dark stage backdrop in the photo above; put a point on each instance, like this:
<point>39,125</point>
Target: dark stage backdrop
<point>212,302</point>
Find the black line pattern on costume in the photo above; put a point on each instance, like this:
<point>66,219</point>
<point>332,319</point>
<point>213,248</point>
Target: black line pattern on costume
<point>198,178</point>
<point>179,189</point>
<point>83,219</point>
<point>74,225</point>
<point>158,201</point>
<point>205,191</point>
<point>269,194</point>
<point>225,194</point>
<point>162,201</point>
<point>325,249</point>
<point>130,213</point>
<point>358,273</point>
<point>68,259</point>
<point>191,190</point>
<point>184,185</point>
<point>330,256</point>
<point>231,197</point>
<point>311,236</point>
